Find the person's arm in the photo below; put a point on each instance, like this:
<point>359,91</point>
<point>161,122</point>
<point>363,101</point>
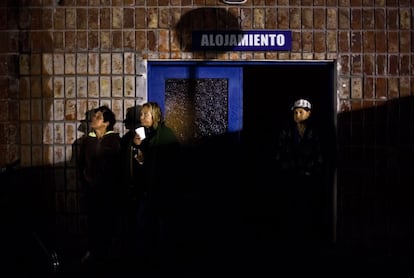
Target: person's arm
<point>139,154</point>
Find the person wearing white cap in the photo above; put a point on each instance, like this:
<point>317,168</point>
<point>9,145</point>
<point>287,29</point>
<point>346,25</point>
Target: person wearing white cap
<point>301,112</point>
<point>302,103</point>
<point>299,161</point>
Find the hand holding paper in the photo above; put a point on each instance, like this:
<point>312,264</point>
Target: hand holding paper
<point>141,132</point>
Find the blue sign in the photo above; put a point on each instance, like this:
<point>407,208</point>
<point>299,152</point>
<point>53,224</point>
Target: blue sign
<point>242,40</point>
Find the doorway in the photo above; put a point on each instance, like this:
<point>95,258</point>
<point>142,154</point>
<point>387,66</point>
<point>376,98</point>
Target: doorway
<point>258,102</point>
<point>269,91</point>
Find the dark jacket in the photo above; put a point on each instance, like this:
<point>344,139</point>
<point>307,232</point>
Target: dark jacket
<point>132,171</point>
<point>99,162</point>
<point>299,156</point>
<point>161,150</point>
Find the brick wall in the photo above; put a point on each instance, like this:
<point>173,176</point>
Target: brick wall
<point>61,57</point>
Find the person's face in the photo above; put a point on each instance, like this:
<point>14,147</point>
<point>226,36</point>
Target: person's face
<point>97,122</point>
<point>146,117</point>
<point>300,115</point>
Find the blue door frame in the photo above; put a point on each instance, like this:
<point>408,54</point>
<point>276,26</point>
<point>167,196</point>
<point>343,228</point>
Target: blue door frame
<point>159,72</point>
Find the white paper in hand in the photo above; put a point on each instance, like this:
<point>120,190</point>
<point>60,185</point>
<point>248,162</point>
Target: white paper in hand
<point>141,132</point>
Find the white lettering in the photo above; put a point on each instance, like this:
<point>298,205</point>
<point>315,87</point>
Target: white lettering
<point>280,40</point>
<point>212,40</point>
<point>242,40</point>
<point>233,40</point>
<point>204,40</point>
<point>219,40</point>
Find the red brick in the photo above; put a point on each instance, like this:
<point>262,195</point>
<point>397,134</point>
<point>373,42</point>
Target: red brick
<point>368,41</point>
<point>380,42</point>
<point>369,87</point>
<point>381,87</point>
<point>393,42</point>
<point>117,39</point>
<point>379,19</point>
<point>93,40</point>
<point>381,64</point>
<point>393,65</point>
<point>368,19</point>
<point>129,15</point>
<point>93,18</point>
<point>356,41</point>
<point>81,18</point>
<point>356,62</point>
<point>405,64</point>
<point>344,18</point>
<point>368,64</point>
<point>356,19</point>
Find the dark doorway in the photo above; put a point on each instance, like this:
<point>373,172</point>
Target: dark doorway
<point>269,91</point>
<point>229,180</point>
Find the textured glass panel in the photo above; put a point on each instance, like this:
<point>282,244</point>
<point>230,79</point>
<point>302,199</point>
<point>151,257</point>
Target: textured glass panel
<point>196,108</point>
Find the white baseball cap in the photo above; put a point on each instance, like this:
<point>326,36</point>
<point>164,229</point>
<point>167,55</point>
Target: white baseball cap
<point>302,103</point>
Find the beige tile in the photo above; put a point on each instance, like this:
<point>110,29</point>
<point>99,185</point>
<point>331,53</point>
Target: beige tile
<point>26,156</point>
<point>58,87</point>
<point>105,40</point>
<point>59,110</point>
<point>37,156</point>
<point>129,86</point>
<point>93,63</point>
<point>37,134</point>
<point>59,133</point>
<point>47,86</point>
<point>26,133</point>
<point>48,134</point>
<point>36,110</point>
<point>35,86</point>
<point>70,63</point>
<point>70,132</point>
<point>70,87</point>
<point>117,86</point>
<point>94,103</point>
<point>105,63</point>
<point>117,108</point>
<point>71,110</point>
<point>105,86</point>
<point>332,18</point>
<point>36,63</point>
<point>58,64</point>
<point>70,18</point>
<point>258,18</point>
<point>47,109</point>
<point>24,110</point>
<point>82,63</point>
<point>117,63</point>
<point>152,18</point>
<point>81,87</point>
<point>356,88</point>
<point>117,17</point>
<point>129,63</point>
<point>80,109</point>
<point>93,86</point>
<point>59,155</point>
<point>24,87</point>
<point>24,64</point>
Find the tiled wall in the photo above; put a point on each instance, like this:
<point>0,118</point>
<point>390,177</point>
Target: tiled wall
<point>58,88</point>
<point>59,58</point>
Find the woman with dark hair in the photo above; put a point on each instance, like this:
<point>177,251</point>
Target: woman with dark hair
<point>99,168</point>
